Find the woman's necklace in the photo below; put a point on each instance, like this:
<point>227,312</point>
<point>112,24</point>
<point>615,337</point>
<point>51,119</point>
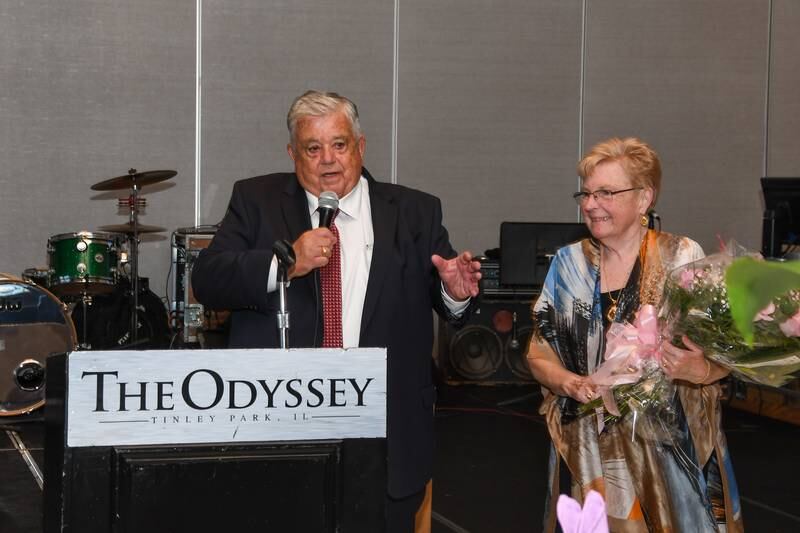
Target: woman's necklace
<point>611,314</point>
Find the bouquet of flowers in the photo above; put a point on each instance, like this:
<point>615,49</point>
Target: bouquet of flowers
<point>630,379</point>
<point>744,312</point>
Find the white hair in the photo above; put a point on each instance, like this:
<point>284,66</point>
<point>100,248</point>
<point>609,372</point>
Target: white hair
<point>319,104</point>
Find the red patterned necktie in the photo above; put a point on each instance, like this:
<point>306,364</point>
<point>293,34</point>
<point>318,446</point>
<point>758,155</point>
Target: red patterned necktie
<point>331,278</point>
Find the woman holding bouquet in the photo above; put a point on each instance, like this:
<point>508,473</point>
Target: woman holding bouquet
<point>685,483</point>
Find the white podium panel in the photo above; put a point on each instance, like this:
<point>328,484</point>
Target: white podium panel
<point>205,396</point>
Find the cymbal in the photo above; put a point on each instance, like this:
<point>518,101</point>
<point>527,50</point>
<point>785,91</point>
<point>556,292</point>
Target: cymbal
<point>139,178</point>
<point>128,228</point>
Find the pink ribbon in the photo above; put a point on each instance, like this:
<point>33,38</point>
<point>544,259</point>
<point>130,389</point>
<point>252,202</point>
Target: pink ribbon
<point>627,347</point>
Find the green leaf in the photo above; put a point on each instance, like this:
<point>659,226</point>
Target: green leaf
<point>753,284</point>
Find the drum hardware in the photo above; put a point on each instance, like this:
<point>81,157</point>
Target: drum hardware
<point>84,302</point>
<point>27,457</point>
<point>39,276</point>
<point>134,181</point>
<point>126,203</point>
<point>29,375</point>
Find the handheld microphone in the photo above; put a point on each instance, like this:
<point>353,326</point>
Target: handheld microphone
<point>328,205</point>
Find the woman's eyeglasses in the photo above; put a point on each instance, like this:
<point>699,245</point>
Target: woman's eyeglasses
<point>600,195</point>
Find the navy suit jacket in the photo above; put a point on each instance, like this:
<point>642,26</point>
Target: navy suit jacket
<point>402,290</point>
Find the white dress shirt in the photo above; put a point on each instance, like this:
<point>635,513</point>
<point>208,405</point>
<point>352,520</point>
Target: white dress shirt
<point>356,241</point>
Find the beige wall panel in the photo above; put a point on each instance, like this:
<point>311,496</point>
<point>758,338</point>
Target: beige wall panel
<point>258,56</point>
<point>91,88</point>
<point>488,111</point>
<point>690,78</point>
<point>784,97</point>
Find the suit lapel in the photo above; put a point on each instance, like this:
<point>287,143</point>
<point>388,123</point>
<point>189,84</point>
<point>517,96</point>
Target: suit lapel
<point>294,206</point>
<point>384,225</point>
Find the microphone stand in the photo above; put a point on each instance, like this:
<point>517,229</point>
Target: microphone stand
<point>285,254</point>
<point>283,313</point>
<point>768,248</point>
<point>514,345</point>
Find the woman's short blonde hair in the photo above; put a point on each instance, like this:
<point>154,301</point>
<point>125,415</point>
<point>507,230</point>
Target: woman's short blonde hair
<point>636,157</point>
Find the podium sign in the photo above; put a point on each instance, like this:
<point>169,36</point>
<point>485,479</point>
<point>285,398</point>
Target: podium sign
<point>216,440</point>
<point>204,396</point>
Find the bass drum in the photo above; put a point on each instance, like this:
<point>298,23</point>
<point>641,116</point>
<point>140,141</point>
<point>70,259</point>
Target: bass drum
<point>33,325</point>
<point>104,323</point>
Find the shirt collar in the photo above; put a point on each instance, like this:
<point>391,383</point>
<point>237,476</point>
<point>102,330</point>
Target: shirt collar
<point>350,205</point>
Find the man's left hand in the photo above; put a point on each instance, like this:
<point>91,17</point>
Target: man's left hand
<point>460,275</point>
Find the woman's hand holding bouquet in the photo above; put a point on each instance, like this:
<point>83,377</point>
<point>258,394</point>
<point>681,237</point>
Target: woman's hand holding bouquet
<point>738,312</point>
<point>741,311</point>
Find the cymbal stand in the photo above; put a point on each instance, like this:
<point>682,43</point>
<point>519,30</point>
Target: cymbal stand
<point>134,255</point>
<point>85,301</point>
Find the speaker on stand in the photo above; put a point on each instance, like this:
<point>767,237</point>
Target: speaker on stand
<point>491,347</point>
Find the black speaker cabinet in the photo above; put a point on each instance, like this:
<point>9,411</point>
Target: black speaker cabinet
<point>491,348</point>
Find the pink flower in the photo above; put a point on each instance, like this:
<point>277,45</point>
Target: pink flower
<point>687,277</point>
<point>766,313</point>
<point>791,328</point>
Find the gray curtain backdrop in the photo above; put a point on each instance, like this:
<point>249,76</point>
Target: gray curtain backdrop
<point>487,104</point>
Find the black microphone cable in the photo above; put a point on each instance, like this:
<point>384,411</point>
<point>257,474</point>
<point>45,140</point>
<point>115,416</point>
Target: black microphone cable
<point>652,218</point>
<point>327,208</point>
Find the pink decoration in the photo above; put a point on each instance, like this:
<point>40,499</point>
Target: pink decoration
<point>686,279</point>
<point>590,519</point>
<point>627,347</point>
<point>791,328</point>
<point>766,313</point>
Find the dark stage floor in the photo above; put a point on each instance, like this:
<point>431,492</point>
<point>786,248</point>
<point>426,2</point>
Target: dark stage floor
<point>20,494</point>
<point>491,463</point>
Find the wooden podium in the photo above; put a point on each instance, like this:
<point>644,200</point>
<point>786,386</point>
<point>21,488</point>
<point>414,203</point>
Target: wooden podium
<point>222,440</point>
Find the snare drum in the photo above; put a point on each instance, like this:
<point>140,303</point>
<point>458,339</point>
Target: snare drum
<point>83,262</point>
<point>33,325</point>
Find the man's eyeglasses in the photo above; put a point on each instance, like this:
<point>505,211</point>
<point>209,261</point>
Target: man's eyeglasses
<point>600,195</point>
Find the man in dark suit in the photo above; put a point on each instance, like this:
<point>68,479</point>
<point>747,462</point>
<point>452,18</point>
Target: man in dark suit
<point>397,265</point>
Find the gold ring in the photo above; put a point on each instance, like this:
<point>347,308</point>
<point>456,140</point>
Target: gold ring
<point>324,250</point>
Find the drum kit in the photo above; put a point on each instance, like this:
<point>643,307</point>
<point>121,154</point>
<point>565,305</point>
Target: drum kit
<point>84,267</point>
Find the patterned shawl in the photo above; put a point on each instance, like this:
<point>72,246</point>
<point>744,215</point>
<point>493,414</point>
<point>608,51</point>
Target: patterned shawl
<point>646,487</point>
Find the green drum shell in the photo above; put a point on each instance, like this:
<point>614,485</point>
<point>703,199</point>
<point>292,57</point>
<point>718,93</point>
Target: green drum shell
<point>83,262</point>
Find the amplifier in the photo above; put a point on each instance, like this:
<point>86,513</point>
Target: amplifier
<point>188,316</point>
<point>490,276</point>
<point>491,287</point>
